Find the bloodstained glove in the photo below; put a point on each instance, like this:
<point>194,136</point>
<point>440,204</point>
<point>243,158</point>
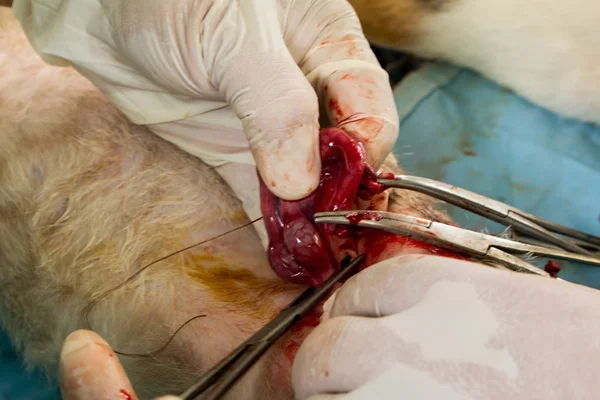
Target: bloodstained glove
<point>429,327</point>
<point>235,83</point>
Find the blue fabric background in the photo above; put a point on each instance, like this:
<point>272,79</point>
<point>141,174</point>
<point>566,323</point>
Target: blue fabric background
<point>16,384</point>
<point>462,129</point>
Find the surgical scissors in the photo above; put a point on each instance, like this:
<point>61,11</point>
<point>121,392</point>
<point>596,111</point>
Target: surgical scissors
<point>232,367</point>
<point>518,220</point>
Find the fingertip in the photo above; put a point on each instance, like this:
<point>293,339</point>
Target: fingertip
<point>290,164</point>
<point>360,100</point>
<point>89,368</point>
<point>78,340</point>
<point>292,185</point>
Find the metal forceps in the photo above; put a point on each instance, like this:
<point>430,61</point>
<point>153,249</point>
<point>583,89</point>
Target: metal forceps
<point>475,244</point>
<point>546,232</point>
<point>232,367</point>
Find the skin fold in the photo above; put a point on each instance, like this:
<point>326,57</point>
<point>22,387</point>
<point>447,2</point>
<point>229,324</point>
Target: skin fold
<point>87,200</point>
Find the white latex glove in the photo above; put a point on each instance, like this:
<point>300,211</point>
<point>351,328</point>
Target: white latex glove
<point>232,82</point>
<point>90,369</point>
<point>425,327</point>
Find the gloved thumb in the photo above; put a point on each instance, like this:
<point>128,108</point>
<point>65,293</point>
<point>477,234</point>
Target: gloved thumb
<point>253,69</point>
<point>90,369</point>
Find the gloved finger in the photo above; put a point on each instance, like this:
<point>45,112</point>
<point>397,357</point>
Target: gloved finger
<point>269,93</point>
<point>360,101</point>
<point>445,337</point>
<point>395,284</point>
<point>354,90</point>
<point>391,386</point>
<point>89,369</point>
<point>441,338</point>
<point>342,354</point>
<point>447,317</point>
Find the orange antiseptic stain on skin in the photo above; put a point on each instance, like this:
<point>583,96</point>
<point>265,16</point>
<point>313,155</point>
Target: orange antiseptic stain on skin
<point>273,184</point>
<point>239,216</point>
<point>346,76</point>
<point>325,42</point>
<point>105,251</point>
<point>230,284</point>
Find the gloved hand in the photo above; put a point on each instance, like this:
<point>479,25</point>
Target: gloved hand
<point>425,327</point>
<point>89,369</point>
<point>420,327</point>
<point>232,82</point>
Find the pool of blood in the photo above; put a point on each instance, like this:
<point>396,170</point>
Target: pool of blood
<point>302,252</point>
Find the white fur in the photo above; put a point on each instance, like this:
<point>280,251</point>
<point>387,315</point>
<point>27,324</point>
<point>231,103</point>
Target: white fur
<point>548,51</point>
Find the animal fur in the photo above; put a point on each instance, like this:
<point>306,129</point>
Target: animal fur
<point>87,199</point>
<point>547,51</point>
